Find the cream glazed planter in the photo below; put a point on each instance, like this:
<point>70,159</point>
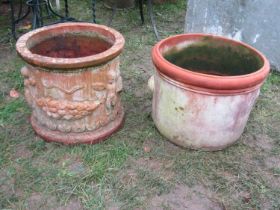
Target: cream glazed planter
<point>204,89</point>
<point>72,81</point>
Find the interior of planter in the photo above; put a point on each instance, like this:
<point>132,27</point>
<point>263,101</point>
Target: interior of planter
<point>214,57</point>
<point>69,45</point>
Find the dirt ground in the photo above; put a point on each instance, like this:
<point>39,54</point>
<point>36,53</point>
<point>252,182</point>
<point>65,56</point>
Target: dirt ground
<point>135,168</point>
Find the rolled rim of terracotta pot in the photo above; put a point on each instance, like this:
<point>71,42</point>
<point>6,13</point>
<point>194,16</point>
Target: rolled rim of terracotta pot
<point>24,50</point>
<point>214,83</point>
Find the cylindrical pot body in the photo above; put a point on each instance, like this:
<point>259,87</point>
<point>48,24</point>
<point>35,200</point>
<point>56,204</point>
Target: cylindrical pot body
<point>72,81</point>
<point>120,4</point>
<point>204,89</point>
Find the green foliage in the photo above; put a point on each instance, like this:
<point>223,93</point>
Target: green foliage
<point>10,109</point>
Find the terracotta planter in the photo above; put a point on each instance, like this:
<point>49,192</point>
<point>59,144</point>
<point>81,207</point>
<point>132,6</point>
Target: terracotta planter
<point>120,4</point>
<point>72,81</point>
<point>204,89</point>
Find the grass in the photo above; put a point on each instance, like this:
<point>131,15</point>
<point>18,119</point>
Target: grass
<point>118,173</point>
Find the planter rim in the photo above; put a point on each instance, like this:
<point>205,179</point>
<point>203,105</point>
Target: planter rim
<point>70,63</point>
<point>207,81</point>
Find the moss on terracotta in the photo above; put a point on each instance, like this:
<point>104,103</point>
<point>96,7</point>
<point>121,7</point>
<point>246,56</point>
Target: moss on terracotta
<point>212,58</point>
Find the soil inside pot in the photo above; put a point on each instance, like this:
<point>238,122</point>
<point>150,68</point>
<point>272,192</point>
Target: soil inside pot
<point>71,46</point>
<point>215,59</point>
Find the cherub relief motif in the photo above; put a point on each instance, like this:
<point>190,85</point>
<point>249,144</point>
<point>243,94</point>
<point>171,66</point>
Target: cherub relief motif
<point>78,101</point>
<point>29,83</point>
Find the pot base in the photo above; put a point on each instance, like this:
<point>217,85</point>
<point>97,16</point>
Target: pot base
<point>187,143</point>
<point>93,137</point>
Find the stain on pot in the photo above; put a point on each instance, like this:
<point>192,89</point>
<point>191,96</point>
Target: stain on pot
<point>179,108</point>
<point>209,57</point>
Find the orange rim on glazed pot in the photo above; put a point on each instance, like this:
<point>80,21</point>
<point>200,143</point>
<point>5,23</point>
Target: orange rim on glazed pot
<point>213,83</point>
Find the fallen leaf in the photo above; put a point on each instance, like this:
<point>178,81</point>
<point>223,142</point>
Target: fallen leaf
<point>26,27</point>
<point>147,149</point>
<point>14,93</point>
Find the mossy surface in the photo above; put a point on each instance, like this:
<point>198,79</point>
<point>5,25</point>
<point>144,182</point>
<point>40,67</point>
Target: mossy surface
<point>216,59</point>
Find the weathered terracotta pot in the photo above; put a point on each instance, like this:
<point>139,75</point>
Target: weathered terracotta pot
<point>204,89</point>
<point>72,81</point>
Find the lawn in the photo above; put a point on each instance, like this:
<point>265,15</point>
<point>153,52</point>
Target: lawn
<point>135,168</point>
